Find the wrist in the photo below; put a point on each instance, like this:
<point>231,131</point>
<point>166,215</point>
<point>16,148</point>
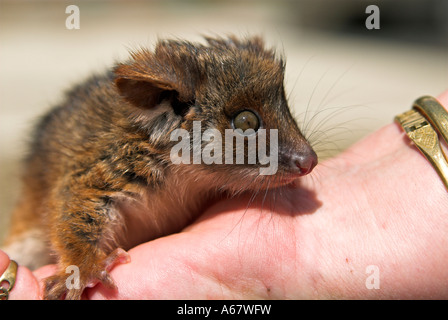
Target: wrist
<point>384,206</point>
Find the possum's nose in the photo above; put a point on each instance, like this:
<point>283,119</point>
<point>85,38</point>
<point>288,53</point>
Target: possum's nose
<point>303,163</point>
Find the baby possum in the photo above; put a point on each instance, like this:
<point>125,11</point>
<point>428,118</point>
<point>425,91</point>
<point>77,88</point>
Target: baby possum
<point>99,178</point>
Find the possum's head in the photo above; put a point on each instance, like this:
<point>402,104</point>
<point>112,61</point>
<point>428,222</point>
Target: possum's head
<point>220,108</point>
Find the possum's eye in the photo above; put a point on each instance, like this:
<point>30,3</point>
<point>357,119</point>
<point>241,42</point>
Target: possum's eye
<point>246,120</point>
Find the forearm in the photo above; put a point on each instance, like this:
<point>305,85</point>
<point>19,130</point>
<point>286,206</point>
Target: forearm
<point>384,206</point>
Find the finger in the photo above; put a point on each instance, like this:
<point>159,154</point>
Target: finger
<point>45,272</point>
<point>26,285</point>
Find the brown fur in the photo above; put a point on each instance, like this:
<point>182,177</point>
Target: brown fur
<point>99,176</point>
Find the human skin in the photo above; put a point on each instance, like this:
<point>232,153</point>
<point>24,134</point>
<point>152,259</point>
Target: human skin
<point>377,214</point>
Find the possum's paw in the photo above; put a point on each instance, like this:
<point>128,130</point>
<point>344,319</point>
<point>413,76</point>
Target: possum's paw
<point>70,286</point>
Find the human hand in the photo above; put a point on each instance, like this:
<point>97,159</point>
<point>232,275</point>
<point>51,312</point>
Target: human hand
<point>379,204</point>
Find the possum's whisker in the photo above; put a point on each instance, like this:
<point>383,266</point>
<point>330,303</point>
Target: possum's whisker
<point>251,200</point>
<point>299,76</point>
<point>311,97</point>
<point>334,85</point>
<point>336,111</point>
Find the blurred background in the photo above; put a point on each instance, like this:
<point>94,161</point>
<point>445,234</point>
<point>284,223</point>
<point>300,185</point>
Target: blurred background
<point>344,81</point>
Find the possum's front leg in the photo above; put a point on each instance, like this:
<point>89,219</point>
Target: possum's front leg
<point>83,222</point>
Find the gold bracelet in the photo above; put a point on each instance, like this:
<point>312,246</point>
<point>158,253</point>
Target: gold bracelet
<point>420,131</point>
<point>435,113</point>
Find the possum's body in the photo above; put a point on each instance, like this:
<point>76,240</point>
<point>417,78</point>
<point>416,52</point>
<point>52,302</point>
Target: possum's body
<point>99,174</point>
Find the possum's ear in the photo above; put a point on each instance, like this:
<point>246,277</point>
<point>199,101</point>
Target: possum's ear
<point>149,77</point>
